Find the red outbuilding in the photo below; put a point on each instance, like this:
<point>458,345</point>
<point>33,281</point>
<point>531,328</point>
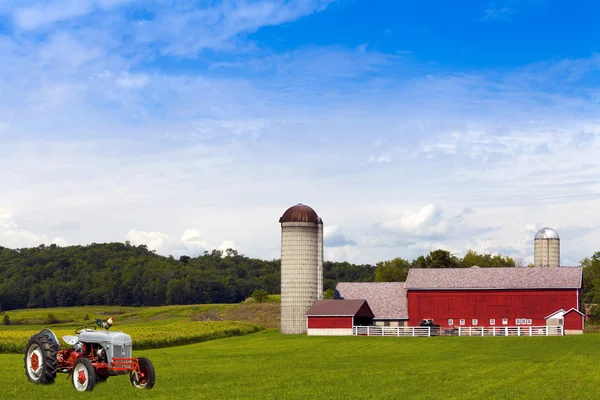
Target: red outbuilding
<point>494,296</point>
<point>338,317</point>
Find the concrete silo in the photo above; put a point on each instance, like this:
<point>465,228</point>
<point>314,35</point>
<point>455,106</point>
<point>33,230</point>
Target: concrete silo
<point>546,252</point>
<point>301,266</point>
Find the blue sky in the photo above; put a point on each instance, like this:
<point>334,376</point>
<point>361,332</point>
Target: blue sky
<point>193,125</point>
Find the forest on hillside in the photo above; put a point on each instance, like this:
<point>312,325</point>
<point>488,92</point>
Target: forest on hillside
<point>127,275</point>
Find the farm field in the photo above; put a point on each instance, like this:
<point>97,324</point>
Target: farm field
<point>150,327</point>
<point>272,366</point>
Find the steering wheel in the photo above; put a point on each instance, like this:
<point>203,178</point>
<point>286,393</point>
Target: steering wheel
<point>78,330</point>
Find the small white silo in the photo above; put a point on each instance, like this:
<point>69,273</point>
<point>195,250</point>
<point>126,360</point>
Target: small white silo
<point>546,251</point>
<point>300,252</point>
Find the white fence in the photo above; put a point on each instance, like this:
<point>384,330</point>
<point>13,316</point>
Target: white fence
<point>511,331</point>
<point>423,331</point>
<point>426,331</point>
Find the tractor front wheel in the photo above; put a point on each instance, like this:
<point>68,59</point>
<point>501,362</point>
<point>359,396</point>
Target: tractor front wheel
<point>40,358</point>
<point>84,375</point>
<point>145,376</point>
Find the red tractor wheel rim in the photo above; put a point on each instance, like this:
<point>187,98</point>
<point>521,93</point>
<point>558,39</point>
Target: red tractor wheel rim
<point>143,375</point>
<point>35,362</point>
<point>81,377</point>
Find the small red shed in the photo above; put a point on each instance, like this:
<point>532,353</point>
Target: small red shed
<point>338,317</point>
<point>572,320</point>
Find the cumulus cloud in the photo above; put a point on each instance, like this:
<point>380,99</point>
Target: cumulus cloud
<point>190,243</point>
<point>334,237</point>
<point>14,236</point>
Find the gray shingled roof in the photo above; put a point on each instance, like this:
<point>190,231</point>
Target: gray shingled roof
<point>494,278</point>
<point>336,308</point>
<point>387,299</point>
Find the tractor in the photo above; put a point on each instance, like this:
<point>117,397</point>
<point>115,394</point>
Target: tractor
<point>93,356</point>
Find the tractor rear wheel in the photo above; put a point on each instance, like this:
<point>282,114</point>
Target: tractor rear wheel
<point>40,358</point>
<point>84,375</point>
<point>146,377</point>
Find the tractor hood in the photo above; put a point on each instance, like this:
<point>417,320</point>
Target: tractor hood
<point>115,338</point>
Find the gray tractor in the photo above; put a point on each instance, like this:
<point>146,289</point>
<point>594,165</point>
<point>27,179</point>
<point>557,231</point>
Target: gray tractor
<point>94,356</point>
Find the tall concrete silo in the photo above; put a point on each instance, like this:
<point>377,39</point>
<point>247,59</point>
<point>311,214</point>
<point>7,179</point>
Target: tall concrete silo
<point>301,266</point>
<point>546,251</point>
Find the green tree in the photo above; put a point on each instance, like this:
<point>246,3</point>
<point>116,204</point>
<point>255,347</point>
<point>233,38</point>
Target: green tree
<point>395,270</point>
<point>591,279</point>
<point>329,294</point>
<point>6,320</point>
<point>260,295</point>
<point>437,259</point>
<point>473,258</point>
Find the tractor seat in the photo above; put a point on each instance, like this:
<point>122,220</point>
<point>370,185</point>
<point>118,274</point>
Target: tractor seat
<point>70,339</point>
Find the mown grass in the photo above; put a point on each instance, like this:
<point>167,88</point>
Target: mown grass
<point>268,365</point>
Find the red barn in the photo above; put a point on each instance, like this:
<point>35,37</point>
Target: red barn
<point>494,296</point>
<point>335,317</point>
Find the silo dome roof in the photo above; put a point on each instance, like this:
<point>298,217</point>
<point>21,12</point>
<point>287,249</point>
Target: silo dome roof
<point>546,233</point>
<point>300,213</point>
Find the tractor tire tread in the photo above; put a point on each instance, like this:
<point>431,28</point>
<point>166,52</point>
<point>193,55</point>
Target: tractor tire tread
<point>49,364</point>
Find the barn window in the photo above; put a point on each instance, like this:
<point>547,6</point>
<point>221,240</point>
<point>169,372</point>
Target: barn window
<point>492,321</point>
<point>523,321</point>
<point>462,321</point>
<point>474,321</point>
<point>450,322</point>
<point>528,322</point>
<point>504,321</point>
<point>518,321</point>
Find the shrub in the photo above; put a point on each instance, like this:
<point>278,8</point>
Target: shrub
<point>328,295</point>
<point>51,319</point>
<point>6,320</point>
<point>260,295</point>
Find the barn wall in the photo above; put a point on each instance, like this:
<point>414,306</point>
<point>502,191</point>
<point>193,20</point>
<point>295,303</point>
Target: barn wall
<point>573,321</point>
<point>329,322</point>
<point>486,304</point>
<point>330,332</point>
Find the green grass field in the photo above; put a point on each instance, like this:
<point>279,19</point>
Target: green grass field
<point>268,365</point>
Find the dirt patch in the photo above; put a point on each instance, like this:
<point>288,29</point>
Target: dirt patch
<point>265,314</point>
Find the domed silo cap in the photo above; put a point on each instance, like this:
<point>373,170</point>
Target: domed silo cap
<point>300,213</point>
<point>547,233</point>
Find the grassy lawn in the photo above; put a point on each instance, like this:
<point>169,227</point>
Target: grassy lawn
<point>268,365</point>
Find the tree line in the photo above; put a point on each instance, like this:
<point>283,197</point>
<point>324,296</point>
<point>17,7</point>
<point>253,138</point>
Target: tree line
<point>126,275</point>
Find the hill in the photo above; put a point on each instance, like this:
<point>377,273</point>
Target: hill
<point>126,275</point>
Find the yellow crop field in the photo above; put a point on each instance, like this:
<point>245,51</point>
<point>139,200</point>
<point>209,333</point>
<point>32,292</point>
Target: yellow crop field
<point>144,336</point>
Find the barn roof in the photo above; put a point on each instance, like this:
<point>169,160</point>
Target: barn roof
<point>494,278</point>
<point>340,308</point>
<point>387,299</point>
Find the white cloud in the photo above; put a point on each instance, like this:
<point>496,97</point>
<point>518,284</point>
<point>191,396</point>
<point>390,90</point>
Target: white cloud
<point>14,236</point>
<point>191,242</point>
<point>333,236</point>
<point>133,80</point>
<point>226,245</point>
<point>38,15</point>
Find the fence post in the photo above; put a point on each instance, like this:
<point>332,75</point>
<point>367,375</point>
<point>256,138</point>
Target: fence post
<point>530,330</point>
<point>547,328</point>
